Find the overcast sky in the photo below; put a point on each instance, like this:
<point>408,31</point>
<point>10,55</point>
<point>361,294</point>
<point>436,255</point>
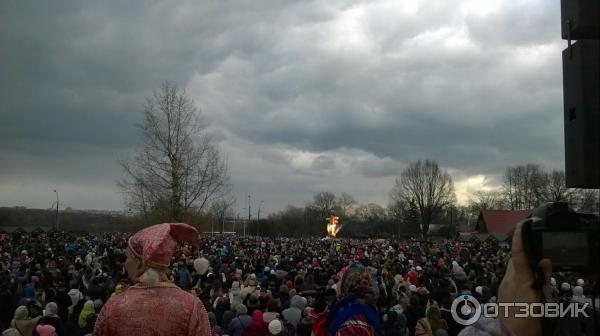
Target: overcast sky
<point>304,96</point>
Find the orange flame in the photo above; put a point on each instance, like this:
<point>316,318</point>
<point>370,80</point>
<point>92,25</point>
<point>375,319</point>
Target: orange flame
<point>333,227</point>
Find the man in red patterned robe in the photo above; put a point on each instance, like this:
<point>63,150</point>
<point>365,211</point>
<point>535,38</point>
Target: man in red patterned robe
<point>154,305</point>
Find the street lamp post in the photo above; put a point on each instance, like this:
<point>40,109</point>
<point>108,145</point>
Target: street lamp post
<point>248,223</point>
<point>56,225</point>
<point>258,218</point>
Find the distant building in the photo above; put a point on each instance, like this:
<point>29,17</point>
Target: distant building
<point>499,223</point>
<point>438,230</point>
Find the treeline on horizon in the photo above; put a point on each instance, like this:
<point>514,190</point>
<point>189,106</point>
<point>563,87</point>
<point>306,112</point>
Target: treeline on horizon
<point>408,213</point>
<point>79,221</point>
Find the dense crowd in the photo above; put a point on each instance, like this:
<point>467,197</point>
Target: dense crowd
<point>58,283</point>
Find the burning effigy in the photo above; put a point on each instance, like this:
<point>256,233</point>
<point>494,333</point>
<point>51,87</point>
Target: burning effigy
<point>333,226</point>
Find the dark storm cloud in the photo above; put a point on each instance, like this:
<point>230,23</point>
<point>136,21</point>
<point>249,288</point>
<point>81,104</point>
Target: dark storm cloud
<point>313,95</point>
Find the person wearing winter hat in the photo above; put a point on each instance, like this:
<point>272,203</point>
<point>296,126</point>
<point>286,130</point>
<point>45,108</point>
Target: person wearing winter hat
<point>479,290</point>
<point>253,303</point>
<point>293,314</point>
<point>353,312</point>
<point>565,291</point>
<point>235,294</point>
<point>456,269</point>
<point>11,332</point>
<point>87,311</point>
<point>257,327</point>
<point>431,323</point>
<point>305,326</point>
<point>215,328</point>
<point>238,324</point>
<point>45,330</point>
<point>272,311</point>
<point>75,295</point>
<point>51,318</point>
<point>414,312</point>
<point>22,322</point>
<point>275,327</point>
<point>579,297</point>
<point>141,309</point>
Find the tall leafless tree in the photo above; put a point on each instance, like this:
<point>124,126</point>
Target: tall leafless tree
<point>345,202</point>
<point>325,203</point>
<point>220,209</point>
<point>483,200</point>
<point>556,189</point>
<point>178,167</point>
<point>525,187</point>
<point>529,186</point>
<point>426,185</point>
<point>587,200</point>
<point>371,211</point>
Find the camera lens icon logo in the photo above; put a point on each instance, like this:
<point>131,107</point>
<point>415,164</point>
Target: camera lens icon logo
<point>466,310</point>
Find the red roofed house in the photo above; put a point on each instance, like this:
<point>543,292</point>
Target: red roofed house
<point>499,223</point>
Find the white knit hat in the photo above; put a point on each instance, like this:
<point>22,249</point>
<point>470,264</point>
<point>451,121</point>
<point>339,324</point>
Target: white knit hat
<point>275,327</point>
<point>565,286</point>
<point>201,265</point>
<point>580,282</point>
<point>412,288</point>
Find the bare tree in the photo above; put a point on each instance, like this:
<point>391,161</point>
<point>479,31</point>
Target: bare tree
<point>345,202</point>
<point>371,211</point>
<point>178,168</point>
<point>525,187</point>
<point>587,200</point>
<point>324,202</point>
<point>404,213</point>
<point>482,200</point>
<point>426,185</point>
<point>556,189</point>
<point>220,209</point>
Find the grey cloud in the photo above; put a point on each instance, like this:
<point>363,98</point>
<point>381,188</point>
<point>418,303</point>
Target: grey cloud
<point>391,82</point>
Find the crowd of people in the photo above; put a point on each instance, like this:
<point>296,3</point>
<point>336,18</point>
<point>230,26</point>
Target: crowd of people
<point>58,283</point>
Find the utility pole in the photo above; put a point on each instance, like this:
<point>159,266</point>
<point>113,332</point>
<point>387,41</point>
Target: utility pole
<point>248,223</point>
<point>258,219</point>
<point>56,192</point>
<point>223,224</point>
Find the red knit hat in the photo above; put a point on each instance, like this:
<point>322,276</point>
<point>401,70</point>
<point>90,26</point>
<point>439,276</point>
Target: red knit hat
<point>156,244</point>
